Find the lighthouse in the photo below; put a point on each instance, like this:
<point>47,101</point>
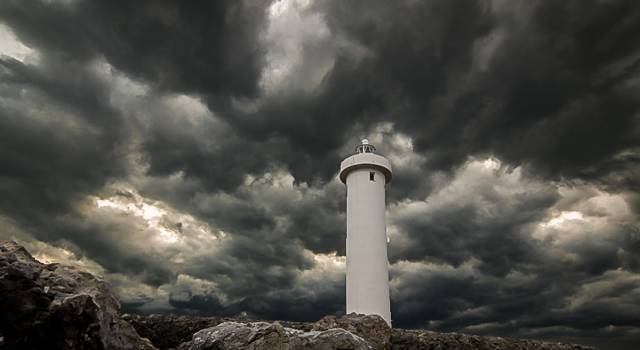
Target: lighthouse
<point>366,173</point>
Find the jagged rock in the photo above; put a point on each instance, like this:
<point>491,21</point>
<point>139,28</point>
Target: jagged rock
<point>373,328</point>
<point>264,335</point>
<point>52,306</point>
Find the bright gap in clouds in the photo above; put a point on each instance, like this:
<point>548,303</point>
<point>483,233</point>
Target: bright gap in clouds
<point>149,212</point>
<point>166,224</point>
<point>562,218</point>
<point>292,32</point>
<point>11,46</point>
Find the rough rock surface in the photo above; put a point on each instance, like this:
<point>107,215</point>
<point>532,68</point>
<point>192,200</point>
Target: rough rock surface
<point>370,327</point>
<point>52,306</point>
<point>264,336</point>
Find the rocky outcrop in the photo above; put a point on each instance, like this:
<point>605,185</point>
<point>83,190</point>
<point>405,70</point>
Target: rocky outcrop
<point>264,335</point>
<point>169,331</point>
<point>162,330</point>
<point>370,327</point>
<point>52,306</point>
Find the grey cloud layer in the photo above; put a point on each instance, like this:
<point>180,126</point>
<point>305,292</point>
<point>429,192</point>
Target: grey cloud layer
<point>212,134</point>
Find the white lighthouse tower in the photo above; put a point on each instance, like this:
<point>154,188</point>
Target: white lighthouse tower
<point>366,173</point>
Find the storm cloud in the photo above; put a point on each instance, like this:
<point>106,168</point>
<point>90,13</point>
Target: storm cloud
<point>189,152</point>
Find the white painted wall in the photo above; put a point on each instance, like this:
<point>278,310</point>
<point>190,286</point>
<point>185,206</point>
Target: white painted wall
<point>367,264</point>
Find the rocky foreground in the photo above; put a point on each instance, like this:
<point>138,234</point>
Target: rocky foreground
<point>52,306</point>
<point>347,332</point>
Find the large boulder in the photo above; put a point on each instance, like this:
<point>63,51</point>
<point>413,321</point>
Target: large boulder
<point>266,336</point>
<point>52,306</point>
<point>373,328</point>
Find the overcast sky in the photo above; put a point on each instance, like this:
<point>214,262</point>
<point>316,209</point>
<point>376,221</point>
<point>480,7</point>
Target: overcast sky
<point>189,154</point>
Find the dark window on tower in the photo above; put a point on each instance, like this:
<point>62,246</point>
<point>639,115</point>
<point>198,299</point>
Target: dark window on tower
<point>371,176</point>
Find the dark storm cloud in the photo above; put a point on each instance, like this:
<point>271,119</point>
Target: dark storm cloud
<point>548,88</point>
<point>59,141</point>
<point>490,278</point>
<point>496,226</point>
<point>425,69</point>
<point>298,304</point>
<point>470,301</point>
<point>201,150</point>
<point>465,78</point>
<point>53,156</point>
<point>61,136</point>
<point>306,301</point>
<point>206,47</point>
<point>551,87</point>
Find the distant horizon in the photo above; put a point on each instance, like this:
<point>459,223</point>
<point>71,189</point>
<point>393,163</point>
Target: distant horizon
<point>189,153</point>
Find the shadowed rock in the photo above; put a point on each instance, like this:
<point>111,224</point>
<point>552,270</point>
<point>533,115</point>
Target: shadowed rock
<point>52,306</point>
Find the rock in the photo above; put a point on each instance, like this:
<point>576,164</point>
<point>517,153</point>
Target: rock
<point>264,335</point>
<point>169,331</point>
<point>373,328</point>
<point>419,339</point>
<point>58,307</point>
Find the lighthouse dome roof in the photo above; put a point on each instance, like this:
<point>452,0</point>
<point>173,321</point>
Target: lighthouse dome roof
<point>365,157</point>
